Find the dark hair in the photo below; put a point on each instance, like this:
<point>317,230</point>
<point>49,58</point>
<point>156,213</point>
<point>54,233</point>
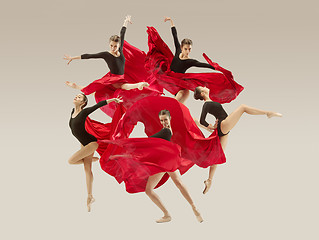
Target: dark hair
<point>85,100</point>
<point>197,94</point>
<point>115,38</point>
<point>186,41</point>
<point>164,112</point>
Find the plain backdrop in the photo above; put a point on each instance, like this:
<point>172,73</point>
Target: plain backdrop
<point>268,188</point>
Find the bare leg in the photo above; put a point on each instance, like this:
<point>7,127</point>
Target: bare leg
<point>129,86</point>
<point>73,85</point>
<point>178,182</point>
<point>77,158</point>
<point>223,141</point>
<point>227,124</point>
<point>149,190</point>
<point>89,180</point>
<point>182,95</point>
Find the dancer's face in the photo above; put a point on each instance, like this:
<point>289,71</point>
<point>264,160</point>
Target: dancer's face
<point>78,100</point>
<point>186,49</point>
<point>165,121</point>
<point>204,91</point>
<point>114,46</point>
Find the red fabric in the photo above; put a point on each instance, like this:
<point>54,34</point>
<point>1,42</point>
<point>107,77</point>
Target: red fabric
<point>223,88</point>
<point>202,151</point>
<point>103,131</point>
<point>134,160</point>
<point>134,72</point>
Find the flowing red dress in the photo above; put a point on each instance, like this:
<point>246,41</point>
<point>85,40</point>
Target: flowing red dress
<point>133,160</point>
<point>134,72</point>
<point>223,88</point>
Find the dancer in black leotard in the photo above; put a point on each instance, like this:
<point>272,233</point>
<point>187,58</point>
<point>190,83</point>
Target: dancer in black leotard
<point>224,123</point>
<point>88,142</point>
<point>114,58</point>
<point>166,133</point>
<point>181,61</point>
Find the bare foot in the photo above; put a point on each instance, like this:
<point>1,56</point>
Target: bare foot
<point>197,214</point>
<point>273,114</point>
<point>208,184</point>
<point>141,85</point>
<point>89,201</point>
<point>71,84</point>
<point>94,159</point>
<point>166,218</point>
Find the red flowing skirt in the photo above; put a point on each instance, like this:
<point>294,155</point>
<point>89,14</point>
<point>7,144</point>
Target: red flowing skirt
<point>134,73</point>
<point>134,160</point>
<point>223,88</point>
<point>201,151</point>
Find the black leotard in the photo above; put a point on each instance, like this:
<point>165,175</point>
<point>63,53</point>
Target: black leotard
<point>165,133</point>
<point>77,124</point>
<point>217,110</point>
<point>115,64</point>
<point>180,66</point>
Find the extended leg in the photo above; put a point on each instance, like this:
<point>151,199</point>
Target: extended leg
<point>73,85</point>
<point>178,182</point>
<point>149,190</point>
<point>233,118</point>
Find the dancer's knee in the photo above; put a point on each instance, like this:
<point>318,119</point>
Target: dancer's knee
<point>71,161</point>
<point>243,107</point>
<point>149,191</point>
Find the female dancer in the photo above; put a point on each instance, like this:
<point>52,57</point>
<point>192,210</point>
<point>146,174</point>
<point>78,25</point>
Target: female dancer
<point>88,142</point>
<point>153,161</point>
<point>181,61</point>
<point>224,123</point>
<point>166,133</point>
<point>107,86</point>
<point>174,78</point>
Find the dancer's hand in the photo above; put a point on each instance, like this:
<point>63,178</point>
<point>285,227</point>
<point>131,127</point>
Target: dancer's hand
<point>118,99</point>
<point>127,20</point>
<point>169,19</point>
<point>67,57</point>
<point>213,127</point>
<point>166,125</point>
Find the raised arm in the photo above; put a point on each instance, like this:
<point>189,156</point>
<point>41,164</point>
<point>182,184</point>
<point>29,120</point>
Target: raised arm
<point>123,30</point>
<point>174,33</point>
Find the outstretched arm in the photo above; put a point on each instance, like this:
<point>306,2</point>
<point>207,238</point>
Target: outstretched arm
<point>70,59</point>
<point>84,56</point>
<point>174,33</point>
<point>102,103</point>
<point>202,65</point>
